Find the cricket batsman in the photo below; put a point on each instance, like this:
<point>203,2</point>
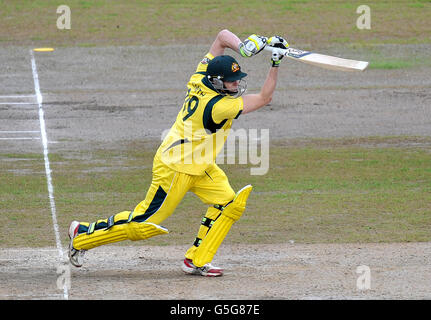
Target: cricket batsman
<point>185,160</point>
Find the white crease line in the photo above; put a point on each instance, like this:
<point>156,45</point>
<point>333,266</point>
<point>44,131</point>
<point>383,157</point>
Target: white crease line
<point>20,138</point>
<point>25,138</point>
<point>19,96</point>
<point>47,166</point>
<point>27,103</point>
<point>8,250</point>
<point>19,131</point>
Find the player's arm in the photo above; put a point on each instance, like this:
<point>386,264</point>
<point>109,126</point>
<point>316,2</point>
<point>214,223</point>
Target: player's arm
<point>254,102</point>
<point>226,39</point>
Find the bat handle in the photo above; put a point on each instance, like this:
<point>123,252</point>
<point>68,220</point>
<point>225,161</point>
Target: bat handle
<point>278,50</point>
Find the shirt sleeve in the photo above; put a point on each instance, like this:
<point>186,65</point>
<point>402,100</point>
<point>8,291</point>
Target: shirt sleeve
<point>203,65</point>
<point>227,108</point>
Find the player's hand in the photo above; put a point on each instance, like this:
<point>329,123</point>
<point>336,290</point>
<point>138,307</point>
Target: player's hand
<point>252,45</point>
<point>277,42</point>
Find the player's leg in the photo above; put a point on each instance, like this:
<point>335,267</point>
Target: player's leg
<point>85,236</point>
<point>230,213</point>
<point>214,188</point>
<point>166,191</point>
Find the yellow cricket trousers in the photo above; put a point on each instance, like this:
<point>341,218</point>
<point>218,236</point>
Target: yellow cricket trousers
<point>168,187</point>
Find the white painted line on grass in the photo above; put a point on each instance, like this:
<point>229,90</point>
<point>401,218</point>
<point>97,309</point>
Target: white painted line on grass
<point>47,166</point>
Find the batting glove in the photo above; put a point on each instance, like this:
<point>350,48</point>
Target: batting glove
<point>277,42</point>
<point>252,45</point>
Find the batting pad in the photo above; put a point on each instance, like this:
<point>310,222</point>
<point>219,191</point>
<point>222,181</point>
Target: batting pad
<point>230,214</point>
<point>128,231</point>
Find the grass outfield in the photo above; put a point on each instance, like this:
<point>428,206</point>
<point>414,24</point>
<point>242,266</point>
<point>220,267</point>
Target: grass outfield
<point>312,22</point>
<point>333,191</point>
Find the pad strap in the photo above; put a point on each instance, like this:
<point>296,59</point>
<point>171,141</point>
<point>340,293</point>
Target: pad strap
<point>111,222</point>
<point>219,207</point>
<point>130,216</point>
<point>91,228</point>
<point>207,222</point>
<point>197,242</point>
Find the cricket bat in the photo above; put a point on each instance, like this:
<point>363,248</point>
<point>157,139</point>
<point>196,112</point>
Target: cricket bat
<point>321,60</point>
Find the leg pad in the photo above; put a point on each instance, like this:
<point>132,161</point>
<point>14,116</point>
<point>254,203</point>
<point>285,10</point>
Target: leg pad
<point>128,231</point>
<point>229,215</point>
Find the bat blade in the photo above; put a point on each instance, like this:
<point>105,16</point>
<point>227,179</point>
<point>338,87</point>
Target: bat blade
<point>321,60</point>
<point>334,63</point>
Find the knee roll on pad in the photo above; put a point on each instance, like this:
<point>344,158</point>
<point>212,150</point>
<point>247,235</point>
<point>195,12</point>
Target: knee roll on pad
<point>235,209</point>
<point>233,212</point>
<point>143,230</point>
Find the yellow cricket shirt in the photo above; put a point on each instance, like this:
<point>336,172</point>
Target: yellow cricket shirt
<point>202,125</point>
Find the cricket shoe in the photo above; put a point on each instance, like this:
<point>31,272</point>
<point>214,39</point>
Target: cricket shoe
<point>75,256</point>
<point>207,270</point>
